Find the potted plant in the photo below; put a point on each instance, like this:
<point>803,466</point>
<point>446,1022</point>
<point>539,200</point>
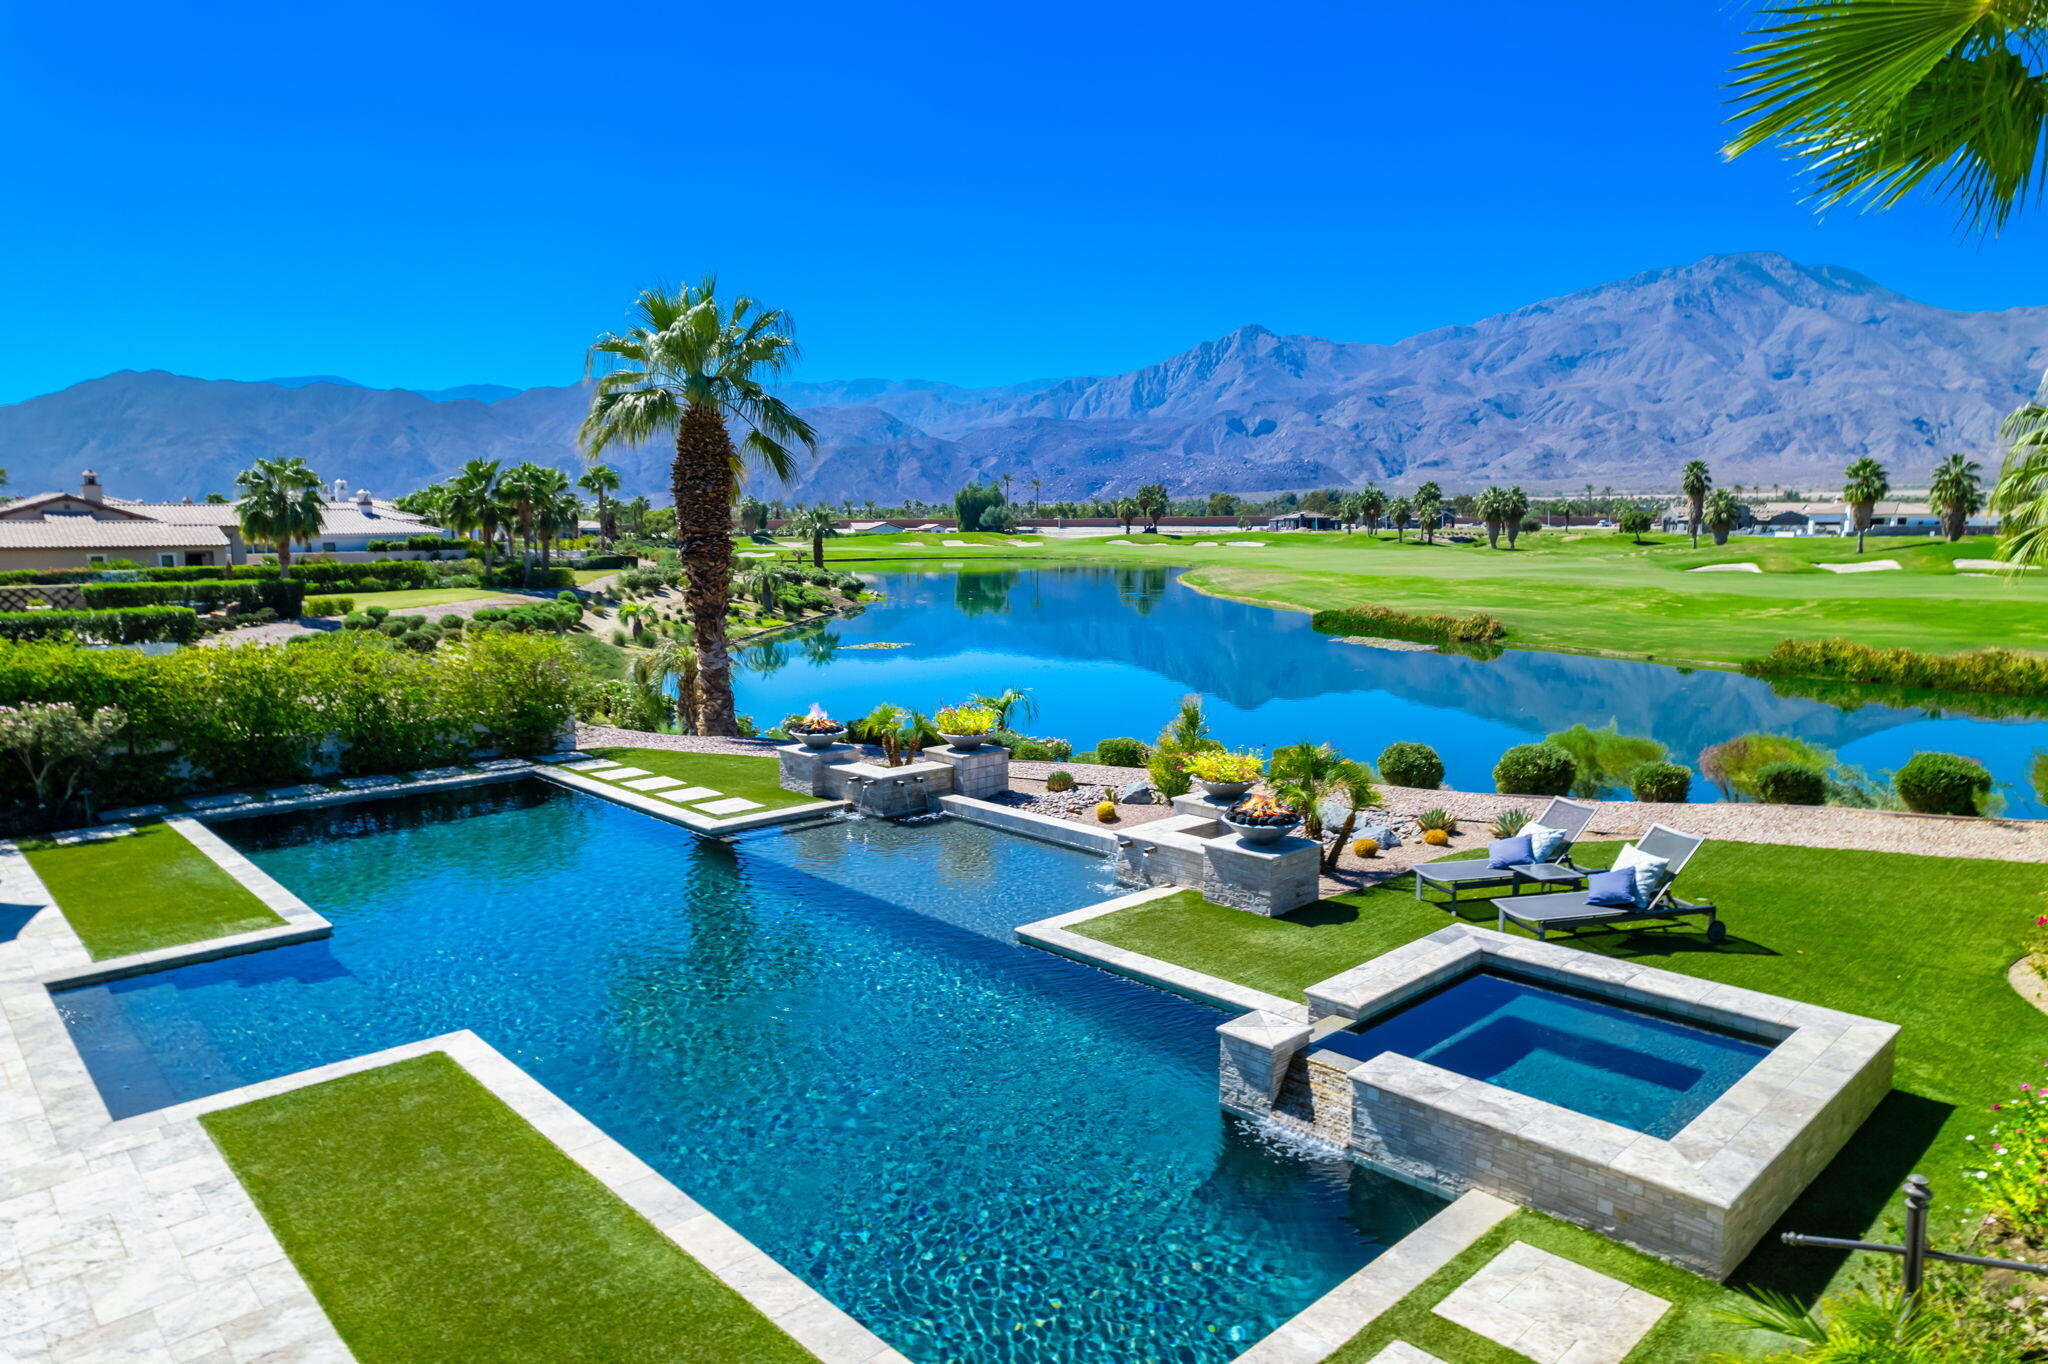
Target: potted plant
<point>1261,818</point>
<point>1224,776</point>
<point>965,727</point>
<point>816,730</point>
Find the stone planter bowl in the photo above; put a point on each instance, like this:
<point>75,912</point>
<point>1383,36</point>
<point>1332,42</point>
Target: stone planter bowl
<point>966,743</point>
<point>1260,833</point>
<point>1224,792</point>
<point>821,740</point>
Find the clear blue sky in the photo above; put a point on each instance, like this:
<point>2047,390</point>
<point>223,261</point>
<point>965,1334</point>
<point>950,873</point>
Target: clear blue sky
<point>428,195</point>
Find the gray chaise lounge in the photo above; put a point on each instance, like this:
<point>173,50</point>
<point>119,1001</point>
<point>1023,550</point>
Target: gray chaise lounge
<point>1569,817</point>
<point>1569,911</point>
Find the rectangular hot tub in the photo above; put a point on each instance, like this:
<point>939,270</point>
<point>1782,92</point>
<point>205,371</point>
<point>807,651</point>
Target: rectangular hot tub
<point>1631,1066</point>
<point>1674,1113</point>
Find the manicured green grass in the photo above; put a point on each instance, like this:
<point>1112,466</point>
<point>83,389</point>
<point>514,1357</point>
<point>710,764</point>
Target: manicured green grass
<point>147,890</point>
<point>729,774</point>
<point>591,575</point>
<point>1923,942</point>
<point>1582,591</point>
<point>1689,1330</point>
<point>436,1225</point>
<point>416,598</point>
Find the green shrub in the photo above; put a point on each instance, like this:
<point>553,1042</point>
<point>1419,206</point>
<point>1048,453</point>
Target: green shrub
<point>1059,780</point>
<point>1030,750</point>
<point>451,623</point>
<point>1414,765</point>
<point>2004,672</point>
<point>1383,622</point>
<point>377,613</point>
<point>605,561</point>
<point>283,597</point>
<point>1122,752</point>
<point>1789,783</point>
<point>1733,764</point>
<point>1665,783</point>
<point>358,620</point>
<point>126,625</point>
<point>1604,757</point>
<point>567,598</point>
<point>1534,770</point>
<point>1943,784</point>
<point>1060,749</point>
<point>328,606</point>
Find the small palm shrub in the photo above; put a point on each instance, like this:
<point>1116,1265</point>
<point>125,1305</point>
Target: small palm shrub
<point>1508,823</point>
<point>1059,780</point>
<point>1943,784</point>
<point>1535,770</point>
<point>1122,753</point>
<point>1788,783</point>
<point>1415,765</point>
<point>1665,783</point>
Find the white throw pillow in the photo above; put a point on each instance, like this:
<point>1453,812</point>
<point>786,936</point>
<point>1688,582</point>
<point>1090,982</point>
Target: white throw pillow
<point>1544,841</point>
<point>1650,872</point>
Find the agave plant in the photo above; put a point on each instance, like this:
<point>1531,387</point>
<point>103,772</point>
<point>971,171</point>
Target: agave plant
<point>1508,823</point>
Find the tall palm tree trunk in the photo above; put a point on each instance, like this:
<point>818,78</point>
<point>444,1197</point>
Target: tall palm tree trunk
<point>702,482</point>
<point>284,558</point>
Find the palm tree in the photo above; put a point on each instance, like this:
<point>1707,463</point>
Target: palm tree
<point>1307,776</point>
<point>1429,510</point>
<point>692,364</point>
<point>2021,497</point>
<point>1720,514</point>
<point>1036,484</point>
<point>523,488</point>
<point>1400,511</point>
<point>1693,481</point>
<point>1008,702</point>
<point>1491,509</point>
<point>671,663</point>
<point>1516,507</point>
<point>475,503</point>
<point>1956,494</point>
<point>763,584</point>
<point>815,523</point>
<point>555,510</point>
<point>602,480</point>
<point>1127,512</point>
<point>1152,505</point>
<point>1865,486</point>
<point>1878,98</point>
<point>635,614</point>
<point>753,514</point>
<point>1372,505</point>
<point>280,503</point>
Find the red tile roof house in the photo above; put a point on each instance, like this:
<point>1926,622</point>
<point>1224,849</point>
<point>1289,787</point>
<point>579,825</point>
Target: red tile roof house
<point>78,530</point>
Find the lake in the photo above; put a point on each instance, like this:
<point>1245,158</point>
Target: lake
<point>1109,651</point>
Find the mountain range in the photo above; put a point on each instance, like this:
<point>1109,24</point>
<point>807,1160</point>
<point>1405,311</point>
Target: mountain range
<point>1770,370</point>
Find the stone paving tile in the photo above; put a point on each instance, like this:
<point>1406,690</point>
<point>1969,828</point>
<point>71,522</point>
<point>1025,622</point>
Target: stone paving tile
<point>1401,1352</point>
<point>1551,1309</point>
<point>688,793</point>
<point>218,802</point>
<point>731,805</point>
<point>622,773</point>
<point>652,783</point>
<point>368,783</point>
<point>295,792</point>
<point>434,774</point>
<point>595,765</point>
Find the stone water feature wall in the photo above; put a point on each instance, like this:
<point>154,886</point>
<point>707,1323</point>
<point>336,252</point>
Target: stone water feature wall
<point>1193,847</point>
<point>840,772</point>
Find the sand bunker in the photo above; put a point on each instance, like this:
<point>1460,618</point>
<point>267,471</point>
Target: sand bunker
<point>1727,568</point>
<point>1874,566</point>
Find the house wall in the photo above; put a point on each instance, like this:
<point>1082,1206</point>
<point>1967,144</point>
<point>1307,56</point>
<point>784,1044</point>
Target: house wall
<point>83,558</point>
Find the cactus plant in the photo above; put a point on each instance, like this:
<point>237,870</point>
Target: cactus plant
<point>1059,779</point>
<point>1366,847</point>
<point>1437,820</point>
<point>1436,838</point>
<point>1106,811</point>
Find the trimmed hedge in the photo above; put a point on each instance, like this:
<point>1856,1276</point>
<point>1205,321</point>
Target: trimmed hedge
<point>609,561</point>
<point>517,575</point>
<point>1789,783</point>
<point>263,716</point>
<point>1535,770</point>
<point>1664,783</point>
<point>1415,765</point>
<point>2003,672</point>
<point>1122,753</point>
<point>126,625</point>
<point>1943,784</point>
<point>1383,622</point>
<point>284,596</point>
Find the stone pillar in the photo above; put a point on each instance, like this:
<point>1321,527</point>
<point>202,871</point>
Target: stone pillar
<point>978,772</point>
<point>806,770</point>
<point>1257,1049</point>
<point>1262,878</point>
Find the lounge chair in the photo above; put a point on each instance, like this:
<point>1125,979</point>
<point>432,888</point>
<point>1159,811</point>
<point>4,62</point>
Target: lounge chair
<point>1569,910</point>
<point>1569,817</point>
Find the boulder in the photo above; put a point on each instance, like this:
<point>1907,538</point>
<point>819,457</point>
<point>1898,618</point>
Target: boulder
<point>1137,793</point>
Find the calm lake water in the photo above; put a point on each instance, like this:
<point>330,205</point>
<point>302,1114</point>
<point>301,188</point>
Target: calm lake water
<point>1110,651</point>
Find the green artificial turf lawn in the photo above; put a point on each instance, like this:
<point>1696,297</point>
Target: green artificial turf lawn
<point>1581,591</point>
<point>1923,942</point>
<point>436,1225</point>
<point>729,774</point>
<point>149,889</point>
<point>1689,1330</point>
<point>413,599</point>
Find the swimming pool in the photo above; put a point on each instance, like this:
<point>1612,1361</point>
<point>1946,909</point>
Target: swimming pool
<point>1639,1069</point>
<point>829,1036</point>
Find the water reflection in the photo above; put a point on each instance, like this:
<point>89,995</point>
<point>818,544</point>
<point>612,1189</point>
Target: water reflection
<point>1107,651</point>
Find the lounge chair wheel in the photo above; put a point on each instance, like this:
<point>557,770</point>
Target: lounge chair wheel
<point>1717,931</point>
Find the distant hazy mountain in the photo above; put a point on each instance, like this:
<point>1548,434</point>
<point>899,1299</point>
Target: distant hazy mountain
<point>1769,370</point>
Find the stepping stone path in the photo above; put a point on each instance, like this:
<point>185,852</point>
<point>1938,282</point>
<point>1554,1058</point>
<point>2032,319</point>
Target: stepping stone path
<point>688,794</point>
<point>1551,1310</point>
<point>651,783</point>
<point>595,765</point>
<point>621,773</point>
<point>731,805</point>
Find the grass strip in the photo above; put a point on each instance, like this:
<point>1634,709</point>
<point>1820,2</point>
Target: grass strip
<point>435,1225</point>
<point>730,774</point>
<point>1923,942</point>
<point>145,890</point>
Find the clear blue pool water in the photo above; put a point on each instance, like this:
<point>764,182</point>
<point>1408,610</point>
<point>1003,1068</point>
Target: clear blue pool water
<point>1108,651</point>
<point>1631,1067</point>
<point>828,1036</point>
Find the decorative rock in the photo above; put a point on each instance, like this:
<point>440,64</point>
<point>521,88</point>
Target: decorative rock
<point>1137,793</point>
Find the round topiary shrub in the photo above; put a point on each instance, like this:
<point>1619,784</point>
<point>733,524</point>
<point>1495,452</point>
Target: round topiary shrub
<point>1106,811</point>
<point>1665,783</point>
<point>1366,847</point>
<point>1534,770</point>
<point>1059,780</point>
<point>1415,765</point>
<point>1786,783</point>
<point>1122,753</point>
<point>1943,784</point>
